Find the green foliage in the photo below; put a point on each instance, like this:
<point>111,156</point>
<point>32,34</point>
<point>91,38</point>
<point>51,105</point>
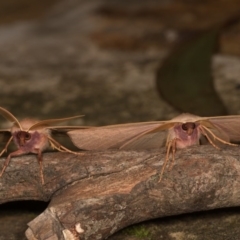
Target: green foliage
<point>138,231</point>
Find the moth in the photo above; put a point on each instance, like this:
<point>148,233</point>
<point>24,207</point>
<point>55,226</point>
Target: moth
<point>32,136</point>
<point>180,132</point>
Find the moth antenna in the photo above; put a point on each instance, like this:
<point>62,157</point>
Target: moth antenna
<point>6,146</point>
<point>61,148</point>
<point>6,114</point>
<point>50,122</point>
<point>204,129</point>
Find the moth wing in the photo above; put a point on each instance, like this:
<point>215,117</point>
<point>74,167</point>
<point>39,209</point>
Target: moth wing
<point>6,114</point>
<point>124,136</point>
<point>50,122</point>
<point>147,141</point>
<point>59,132</point>
<point>231,126</point>
<point>67,128</point>
<point>228,126</point>
<point>150,139</point>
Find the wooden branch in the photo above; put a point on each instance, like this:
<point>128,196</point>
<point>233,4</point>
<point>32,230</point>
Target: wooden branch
<point>96,194</point>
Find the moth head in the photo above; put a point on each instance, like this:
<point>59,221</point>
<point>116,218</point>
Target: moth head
<point>186,134</point>
<point>189,127</point>
<point>22,137</point>
<point>28,139</point>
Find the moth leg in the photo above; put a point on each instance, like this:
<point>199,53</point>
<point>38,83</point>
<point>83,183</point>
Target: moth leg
<point>173,154</point>
<point>6,146</point>
<point>205,130</point>
<point>56,145</point>
<point>5,164</point>
<point>51,144</point>
<point>13,154</point>
<point>60,148</point>
<point>40,162</point>
<point>169,146</point>
<point>208,138</point>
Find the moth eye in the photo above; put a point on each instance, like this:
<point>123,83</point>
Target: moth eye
<point>18,134</point>
<point>187,126</point>
<point>192,125</point>
<point>27,136</point>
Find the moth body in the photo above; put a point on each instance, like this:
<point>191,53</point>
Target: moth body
<point>33,136</point>
<point>30,141</point>
<point>180,132</point>
<point>186,134</point>
<point>186,117</point>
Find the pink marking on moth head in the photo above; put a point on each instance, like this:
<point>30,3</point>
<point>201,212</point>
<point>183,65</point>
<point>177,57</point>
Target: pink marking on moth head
<point>31,141</point>
<point>186,134</point>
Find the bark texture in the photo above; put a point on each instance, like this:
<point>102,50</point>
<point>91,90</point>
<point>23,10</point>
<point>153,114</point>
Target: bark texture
<point>96,194</point>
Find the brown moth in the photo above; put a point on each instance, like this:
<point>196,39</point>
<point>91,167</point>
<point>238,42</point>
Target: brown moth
<point>180,132</point>
<point>32,136</point>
